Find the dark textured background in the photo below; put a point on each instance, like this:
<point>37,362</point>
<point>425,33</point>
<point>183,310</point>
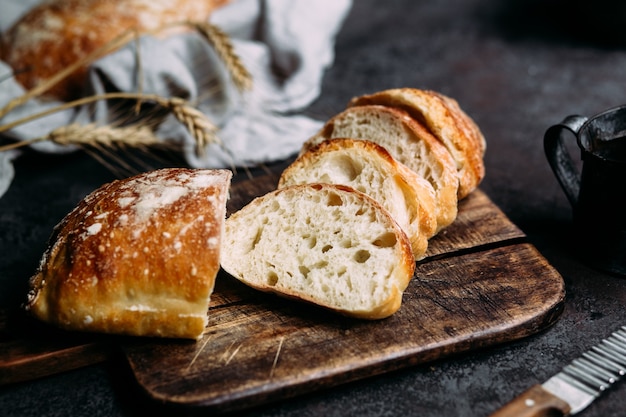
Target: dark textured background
<point>516,67</point>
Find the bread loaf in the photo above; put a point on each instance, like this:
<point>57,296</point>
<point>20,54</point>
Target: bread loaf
<point>444,118</point>
<point>407,141</point>
<point>369,168</point>
<point>322,243</point>
<point>58,33</point>
<point>137,256</point>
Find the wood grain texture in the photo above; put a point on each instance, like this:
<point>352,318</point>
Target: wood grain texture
<point>261,348</point>
<point>31,349</point>
<point>481,284</point>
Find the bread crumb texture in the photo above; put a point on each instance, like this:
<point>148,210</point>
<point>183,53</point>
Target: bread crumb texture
<point>326,244</point>
<point>369,168</point>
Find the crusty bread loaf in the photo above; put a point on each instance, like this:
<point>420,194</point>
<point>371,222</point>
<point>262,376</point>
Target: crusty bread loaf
<point>443,116</point>
<point>369,168</point>
<point>323,243</point>
<point>407,141</point>
<point>58,33</point>
<point>137,256</point>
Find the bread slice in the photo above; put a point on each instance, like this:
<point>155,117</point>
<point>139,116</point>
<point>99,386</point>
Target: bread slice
<point>445,119</point>
<point>137,256</point>
<point>407,141</point>
<point>369,168</point>
<point>325,244</point>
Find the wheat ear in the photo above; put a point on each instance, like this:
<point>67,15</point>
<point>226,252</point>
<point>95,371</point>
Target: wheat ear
<point>202,130</point>
<point>225,50</point>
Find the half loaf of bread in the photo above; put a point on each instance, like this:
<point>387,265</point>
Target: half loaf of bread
<point>407,141</point>
<point>369,168</point>
<point>137,256</point>
<point>445,119</point>
<point>58,33</point>
<point>323,243</point>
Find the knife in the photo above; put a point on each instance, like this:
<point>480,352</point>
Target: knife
<point>577,385</point>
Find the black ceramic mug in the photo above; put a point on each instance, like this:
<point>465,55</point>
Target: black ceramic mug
<point>598,192</point>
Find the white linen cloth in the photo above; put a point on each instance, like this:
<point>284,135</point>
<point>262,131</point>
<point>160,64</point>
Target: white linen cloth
<point>287,58</point>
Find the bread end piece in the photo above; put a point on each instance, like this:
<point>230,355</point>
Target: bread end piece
<point>137,256</point>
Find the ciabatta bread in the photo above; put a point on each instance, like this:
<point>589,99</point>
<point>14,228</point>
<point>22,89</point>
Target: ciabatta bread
<point>407,141</point>
<point>58,33</point>
<point>137,256</point>
<point>369,168</point>
<point>323,243</point>
<point>445,119</point>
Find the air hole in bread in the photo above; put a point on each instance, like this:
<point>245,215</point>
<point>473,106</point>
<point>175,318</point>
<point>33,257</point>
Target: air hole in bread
<point>347,168</point>
<point>275,206</point>
<point>328,130</point>
<point>304,271</point>
<point>311,241</point>
<point>326,248</point>
<point>272,278</point>
<point>386,240</point>
<point>256,240</point>
<point>334,200</point>
<point>320,265</point>
<point>346,243</point>
<point>362,256</point>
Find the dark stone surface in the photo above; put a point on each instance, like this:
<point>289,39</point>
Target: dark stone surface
<point>516,67</point>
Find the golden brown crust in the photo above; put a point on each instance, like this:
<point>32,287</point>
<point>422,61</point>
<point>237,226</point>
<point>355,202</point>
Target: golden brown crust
<point>355,163</point>
<point>435,159</point>
<point>137,256</point>
<point>445,119</point>
<point>58,33</point>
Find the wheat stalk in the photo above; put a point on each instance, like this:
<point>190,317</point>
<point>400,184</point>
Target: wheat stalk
<point>203,131</point>
<point>199,126</point>
<point>225,50</point>
<point>109,136</point>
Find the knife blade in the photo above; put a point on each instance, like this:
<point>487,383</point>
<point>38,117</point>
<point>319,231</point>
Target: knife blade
<point>577,385</point>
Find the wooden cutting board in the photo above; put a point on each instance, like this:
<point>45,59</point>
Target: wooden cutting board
<point>480,285</point>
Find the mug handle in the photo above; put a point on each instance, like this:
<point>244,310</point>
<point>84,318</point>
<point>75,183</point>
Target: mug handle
<point>559,158</point>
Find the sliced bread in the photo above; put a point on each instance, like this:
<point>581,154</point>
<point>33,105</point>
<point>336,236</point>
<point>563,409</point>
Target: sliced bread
<point>446,120</point>
<point>369,168</point>
<point>322,243</point>
<point>407,141</point>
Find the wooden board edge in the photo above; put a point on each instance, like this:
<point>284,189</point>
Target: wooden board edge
<point>270,394</point>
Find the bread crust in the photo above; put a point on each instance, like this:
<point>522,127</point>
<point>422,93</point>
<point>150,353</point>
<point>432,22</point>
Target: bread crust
<point>279,241</point>
<point>443,116</point>
<point>57,33</point>
<point>369,168</point>
<point>420,151</point>
<point>137,256</point>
